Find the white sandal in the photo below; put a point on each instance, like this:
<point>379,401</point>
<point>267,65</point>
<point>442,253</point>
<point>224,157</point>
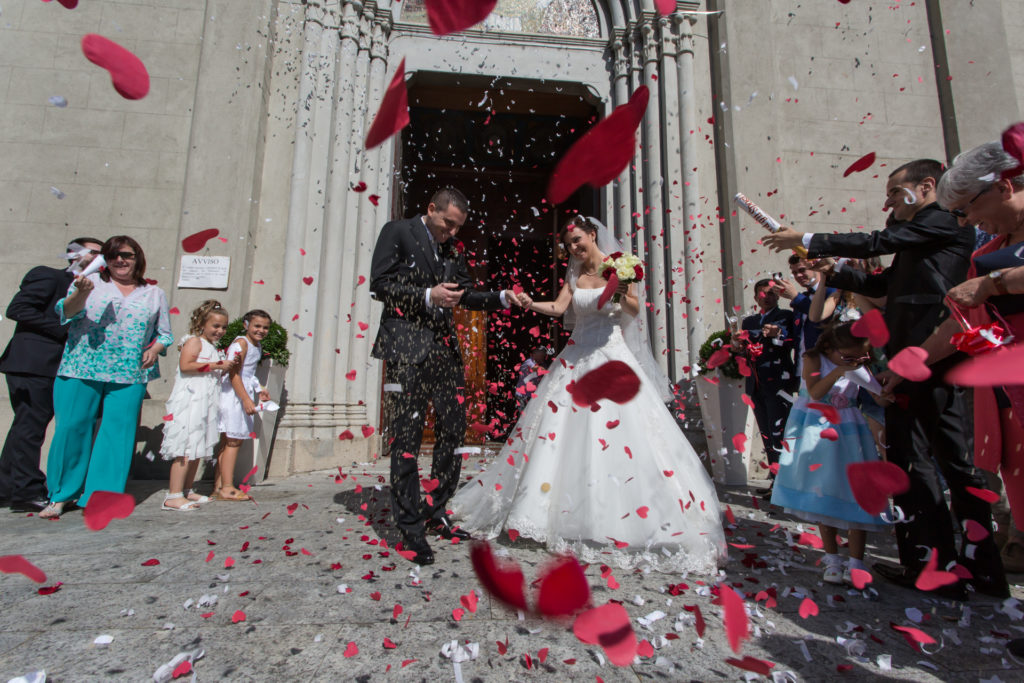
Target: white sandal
<point>53,510</point>
<point>187,507</point>
<point>198,501</point>
<point>833,574</point>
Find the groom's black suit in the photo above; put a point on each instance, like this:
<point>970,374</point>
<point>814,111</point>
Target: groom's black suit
<point>418,344</point>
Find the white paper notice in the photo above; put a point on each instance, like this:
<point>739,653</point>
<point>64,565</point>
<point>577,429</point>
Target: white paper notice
<point>204,272</point>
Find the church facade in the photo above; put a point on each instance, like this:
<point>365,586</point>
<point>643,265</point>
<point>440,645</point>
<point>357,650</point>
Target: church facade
<point>259,108</point>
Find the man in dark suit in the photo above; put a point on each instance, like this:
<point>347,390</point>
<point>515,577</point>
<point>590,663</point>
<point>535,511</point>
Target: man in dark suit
<point>929,425</point>
<point>30,363</point>
<point>419,277</point>
<point>769,343</point>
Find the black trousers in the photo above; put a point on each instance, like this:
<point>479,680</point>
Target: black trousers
<point>439,379</point>
<point>32,403</point>
<point>934,434</point>
<point>771,412</point>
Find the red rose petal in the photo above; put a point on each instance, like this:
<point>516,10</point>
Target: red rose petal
<point>699,617</point>
<point>873,483</point>
<point>238,616</point>
<point>609,290</point>
<point>16,564</point>
<point>748,663</point>
<point>127,72</point>
<point>909,363</point>
<point>198,240</point>
<point>665,7</point>
<point>602,153</point>
<point>996,368</point>
<point>50,590</point>
<point>503,581</point>
<point>351,650</point>
<point>563,588</point>
<point>862,164</point>
<point>614,380</point>
<point>737,626</point>
<point>151,562</point>
<point>393,114</point>
<point>830,412</point>
<point>452,16</point>
<point>105,506</point>
<point>860,578</point>
<point>931,578</point>
<point>609,627</point>
<point>984,494</point>
<point>182,669</point>
<point>830,433</point>
<point>808,608</point>
<point>872,325</point>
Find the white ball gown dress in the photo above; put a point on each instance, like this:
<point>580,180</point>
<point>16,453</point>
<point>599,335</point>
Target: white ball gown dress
<point>619,486</point>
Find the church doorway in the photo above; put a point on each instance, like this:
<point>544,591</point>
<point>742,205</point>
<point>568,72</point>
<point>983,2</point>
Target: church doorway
<point>497,140</point>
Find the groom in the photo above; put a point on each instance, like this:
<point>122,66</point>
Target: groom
<point>419,277</point>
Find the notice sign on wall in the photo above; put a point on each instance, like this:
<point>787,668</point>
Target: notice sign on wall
<point>204,272</point>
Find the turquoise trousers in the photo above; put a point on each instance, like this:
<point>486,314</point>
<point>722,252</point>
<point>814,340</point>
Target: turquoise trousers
<point>77,465</point>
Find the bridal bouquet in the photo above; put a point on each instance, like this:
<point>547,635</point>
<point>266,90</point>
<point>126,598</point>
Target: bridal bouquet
<point>624,267</point>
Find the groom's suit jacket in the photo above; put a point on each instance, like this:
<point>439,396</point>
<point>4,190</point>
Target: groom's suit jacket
<point>404,266</point>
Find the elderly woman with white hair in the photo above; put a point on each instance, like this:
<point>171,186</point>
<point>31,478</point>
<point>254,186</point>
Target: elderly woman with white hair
<point>985,188</point>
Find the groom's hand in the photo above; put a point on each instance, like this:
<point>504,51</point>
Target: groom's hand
<point>446,295</point>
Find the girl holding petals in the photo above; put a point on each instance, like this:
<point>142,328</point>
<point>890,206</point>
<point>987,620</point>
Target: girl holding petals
<point>193,407</point>
<point>826,432</point>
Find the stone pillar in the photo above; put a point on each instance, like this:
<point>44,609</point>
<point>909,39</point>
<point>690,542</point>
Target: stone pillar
<point>620,218</point>
<point>691,254</point>
<point>672,196</point>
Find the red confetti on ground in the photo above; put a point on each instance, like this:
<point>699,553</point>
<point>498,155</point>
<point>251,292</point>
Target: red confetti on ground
<point>873,483</point>
<point>614,380</point>
<point>609,627</point>
<point>104,506</point>
<point>860,578</point>
<point>452,16</point>
<point>127,72</point>
<point>16,564</point>
<point>812,540</point>
<point>503,581</point>
<point>183,669</point>
<point>748,663</point>
<point>872,325</point>
<point>699,617</point>
<point>196,241</point>
<point>862,164</point>
<point>351,650</point>
<point>393,114</point>
<point>808,608</point>
<point>151,562</point>
<point>238,616</point>
<point>563,588</point>
<point>50,590</point>
<point>602,153</point>
<point>915,636</point>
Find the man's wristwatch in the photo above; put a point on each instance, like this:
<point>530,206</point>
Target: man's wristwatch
<point>996,276</point>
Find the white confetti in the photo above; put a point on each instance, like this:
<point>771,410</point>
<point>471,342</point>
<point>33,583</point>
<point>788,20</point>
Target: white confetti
<point>57,193</point>
<point>884,662</point>
<point>58,101</point>
<point>103,640</point>
<point>794,83</point>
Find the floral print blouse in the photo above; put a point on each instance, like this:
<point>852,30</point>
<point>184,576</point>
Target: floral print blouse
<point>107,337</point>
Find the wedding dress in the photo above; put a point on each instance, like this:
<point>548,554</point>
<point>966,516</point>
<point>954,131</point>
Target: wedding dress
<point>618,486</point>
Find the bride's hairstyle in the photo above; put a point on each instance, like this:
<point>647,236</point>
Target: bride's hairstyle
<point>581,222</point>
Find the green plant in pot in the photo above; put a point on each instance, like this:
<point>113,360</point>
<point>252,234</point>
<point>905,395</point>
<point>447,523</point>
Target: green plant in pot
<point>275,344</point>
<point>713,343</point>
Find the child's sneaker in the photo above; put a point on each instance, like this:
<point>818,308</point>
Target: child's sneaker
<point>833,574</point>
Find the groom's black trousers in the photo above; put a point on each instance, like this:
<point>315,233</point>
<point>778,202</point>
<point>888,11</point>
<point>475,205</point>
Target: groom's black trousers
<point>439,379</point>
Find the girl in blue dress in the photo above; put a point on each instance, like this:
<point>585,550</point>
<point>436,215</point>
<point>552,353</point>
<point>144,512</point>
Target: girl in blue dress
<point>821,441</point>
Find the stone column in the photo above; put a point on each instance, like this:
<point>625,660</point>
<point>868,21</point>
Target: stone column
<point>620,218</point>
<point>690,182</point>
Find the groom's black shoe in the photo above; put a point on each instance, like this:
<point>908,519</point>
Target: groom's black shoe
<point>424,555</point>
<point>444,528</point>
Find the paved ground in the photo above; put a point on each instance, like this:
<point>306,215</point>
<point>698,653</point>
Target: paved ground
<point>324,601</point>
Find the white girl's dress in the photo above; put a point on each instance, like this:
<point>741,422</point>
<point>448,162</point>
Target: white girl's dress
<point>233,420</point>
<point>194,407</point>
<point>620,485</point>
<point>812,482</point>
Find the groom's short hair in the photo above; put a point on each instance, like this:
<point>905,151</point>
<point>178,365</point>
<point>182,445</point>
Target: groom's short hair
<point>447,196</point>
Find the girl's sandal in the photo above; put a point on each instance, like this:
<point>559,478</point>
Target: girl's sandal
<point>52,511</point>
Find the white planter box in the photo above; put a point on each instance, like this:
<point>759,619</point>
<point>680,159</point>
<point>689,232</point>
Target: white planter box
<point>256,452</point>
<point>725,415</point>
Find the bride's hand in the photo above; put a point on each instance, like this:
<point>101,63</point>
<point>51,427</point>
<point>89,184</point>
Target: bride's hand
<point>524,300</point>
<point>622,289</point>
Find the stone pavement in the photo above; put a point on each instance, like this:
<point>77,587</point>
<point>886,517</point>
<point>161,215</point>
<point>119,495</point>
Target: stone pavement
<point>299,588</point>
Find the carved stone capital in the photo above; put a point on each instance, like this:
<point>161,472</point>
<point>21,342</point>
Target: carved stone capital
<point>650,42</point>
<point>379,47</point>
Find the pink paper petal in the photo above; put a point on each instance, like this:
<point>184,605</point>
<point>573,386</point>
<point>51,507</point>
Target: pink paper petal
<point>984,494</point>
<point>829,411</point>
<point>608,292</point>
<point>503,581</point>
<point>993,369</point>
<point>105,506</point>
<point>909,363</point>
<point>862,164</point>
<point>808,608</point>
<point>609,627</point>
<point>563,588</point>
<point>860,578</point>
<point>873,483</point>
<point>748,663</point>
<point>16,564</point>
<point>975,531</point>
<point>614,380</point>
<point>931,578</point>
<point>914,636</point>
<point>602,153</point>
<point>198,240</point>
<point>393,114</point>
<point>872,325</point>
<point>830,433</point>
<point>737,625</point>
<point>127,72</point>
<point>452,16</point>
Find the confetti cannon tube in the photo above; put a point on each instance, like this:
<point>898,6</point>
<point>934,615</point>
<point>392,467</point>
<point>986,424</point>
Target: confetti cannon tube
<point>764,219</point>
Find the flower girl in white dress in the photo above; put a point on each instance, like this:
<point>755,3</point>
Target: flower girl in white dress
<point>617,485</point>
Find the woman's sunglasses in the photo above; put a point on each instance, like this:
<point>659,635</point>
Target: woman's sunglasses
<point>125,255</point>
<point>962,213</point>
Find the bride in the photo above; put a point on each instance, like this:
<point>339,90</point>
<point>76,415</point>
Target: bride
<point>618,485</point>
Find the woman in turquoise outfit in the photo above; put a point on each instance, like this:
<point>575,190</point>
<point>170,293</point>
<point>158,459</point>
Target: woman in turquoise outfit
<point>117,326</point>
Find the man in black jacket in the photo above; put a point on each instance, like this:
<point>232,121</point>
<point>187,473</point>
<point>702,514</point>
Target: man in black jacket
<point>929,424</point>
<point>420,277</point>
<point>30,363</point>
<point>769,344</point>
